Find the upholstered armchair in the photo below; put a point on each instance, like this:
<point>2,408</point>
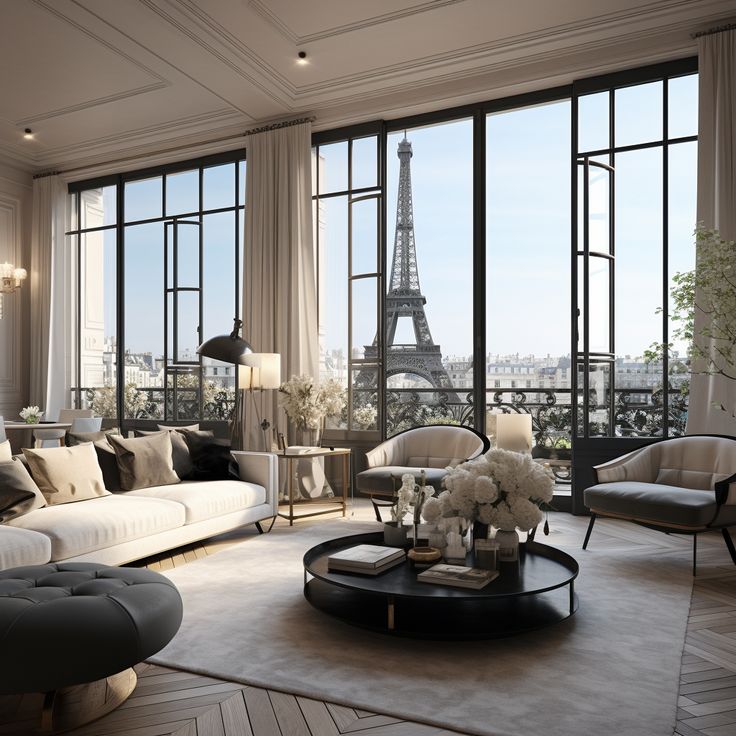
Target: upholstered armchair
<point>685,485</point>
<point>431,449</point>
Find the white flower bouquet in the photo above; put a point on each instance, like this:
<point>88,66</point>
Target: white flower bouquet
<point>501,488</point>
<point>31,414</point>
<point>307,405</point>
<point>411,495</point>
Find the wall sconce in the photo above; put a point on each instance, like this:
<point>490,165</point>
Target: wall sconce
<point>11,278</point>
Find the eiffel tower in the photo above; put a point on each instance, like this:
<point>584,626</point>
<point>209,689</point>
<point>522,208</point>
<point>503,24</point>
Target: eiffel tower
<point>422,357</point>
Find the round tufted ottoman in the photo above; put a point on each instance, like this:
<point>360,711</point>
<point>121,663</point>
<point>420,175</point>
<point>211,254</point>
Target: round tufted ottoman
<point>70,624</point>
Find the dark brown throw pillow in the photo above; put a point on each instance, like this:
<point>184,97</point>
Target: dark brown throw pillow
<point>144,462</point>
<point>181,458</point>
<point>18,493</point>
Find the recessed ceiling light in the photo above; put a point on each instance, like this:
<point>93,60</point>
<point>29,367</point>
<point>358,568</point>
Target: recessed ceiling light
<point>302,58</point>
<point>28,134</point>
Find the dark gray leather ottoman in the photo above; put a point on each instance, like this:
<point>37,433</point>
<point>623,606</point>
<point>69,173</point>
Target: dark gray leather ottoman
<point>70,624</point>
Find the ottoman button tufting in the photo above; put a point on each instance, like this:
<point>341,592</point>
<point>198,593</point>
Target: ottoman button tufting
<point>64,626</point>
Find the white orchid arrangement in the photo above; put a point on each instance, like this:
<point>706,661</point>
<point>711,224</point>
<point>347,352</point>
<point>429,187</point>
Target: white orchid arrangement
<point>31,414</point>
<point>411,495</point>
<point>501,488</point>
<point>307,404</point>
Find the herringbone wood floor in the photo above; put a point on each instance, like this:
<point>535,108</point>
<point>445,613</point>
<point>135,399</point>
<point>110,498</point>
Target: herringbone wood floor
<point>167,702</point>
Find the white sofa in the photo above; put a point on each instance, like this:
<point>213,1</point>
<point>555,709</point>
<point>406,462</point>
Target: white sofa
<point>122,527</point>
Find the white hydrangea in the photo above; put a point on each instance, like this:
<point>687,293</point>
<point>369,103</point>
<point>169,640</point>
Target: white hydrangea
<point>501,488</point>
<point>432,510</point>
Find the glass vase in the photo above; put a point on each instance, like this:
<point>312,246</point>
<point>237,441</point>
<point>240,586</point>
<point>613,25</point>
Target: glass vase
<point>308,436</point>
<point>508,545</point>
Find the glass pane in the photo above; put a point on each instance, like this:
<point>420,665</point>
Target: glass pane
<point>188,327</point>
<point>528,276</point>
<point>682,217</point>
<point>98,207</point>
<point>599,183</point>
<point>682,100</point>
<point>639,263</point>
<point>187,262</point>
<point>241,183</point>
<point>365,236</point>
<point>593,127</point>
<point>599,389</point>
<point>143,199</point>
<point>365,315</point>
<point>143,313</point>
<point>598,306</point>
<point>364,411</point>
<point>183,395</point>
<point>331,225</point>
<point>241,261</point>
<point>639,114</point>
<point>72,204</point>
<point>365,162</point>
<point>97,322</point>
<point>182,192</point>
<point>218,277</point>
<point>333,167</point>
<point>219,186</point>
<point>430,286</point>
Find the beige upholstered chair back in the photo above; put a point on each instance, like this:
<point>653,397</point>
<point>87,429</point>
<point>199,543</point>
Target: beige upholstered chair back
<point>686,462</point>
<point>2,430</point>
<point>427,447</point>
<point>69,415</point>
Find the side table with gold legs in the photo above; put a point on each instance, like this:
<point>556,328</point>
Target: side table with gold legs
<point>290,460</point>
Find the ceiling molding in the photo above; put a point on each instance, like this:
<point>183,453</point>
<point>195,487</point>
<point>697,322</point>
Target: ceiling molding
<point>267,14</point>
<point>568,33</point>
<point>277,89</point>
<point>90,103</point>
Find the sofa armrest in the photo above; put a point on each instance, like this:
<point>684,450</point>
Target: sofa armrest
<point>634,466</point>
<point>260,468</point>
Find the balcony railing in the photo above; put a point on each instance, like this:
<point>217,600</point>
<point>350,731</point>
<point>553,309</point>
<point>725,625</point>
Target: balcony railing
<point>637,411</point>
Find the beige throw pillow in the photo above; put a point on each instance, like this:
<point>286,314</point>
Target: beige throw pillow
<point>144,462</point>
<point>66,474</point>
<point>6,454</point>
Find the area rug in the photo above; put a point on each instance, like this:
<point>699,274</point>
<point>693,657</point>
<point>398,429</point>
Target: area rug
<point>611,668</point>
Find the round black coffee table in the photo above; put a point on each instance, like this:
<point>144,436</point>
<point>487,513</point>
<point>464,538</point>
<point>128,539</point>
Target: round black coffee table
<point>535,592</point>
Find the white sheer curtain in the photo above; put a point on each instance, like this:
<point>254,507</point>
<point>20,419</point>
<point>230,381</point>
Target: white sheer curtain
<point>279,278</point>
<point>48,279</point>
<point>716,205</point>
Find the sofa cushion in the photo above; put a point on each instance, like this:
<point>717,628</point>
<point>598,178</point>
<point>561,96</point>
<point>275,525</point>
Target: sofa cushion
<point>207,499</point>
<point>180,456</point>
<point>18,493</point>
<point>144,462</point>
<point>22,547</point>
<point>6,454</point>
<point>66,474</point>
<point>385,479</point>
<point>655,503</point>
<point>75,529</point>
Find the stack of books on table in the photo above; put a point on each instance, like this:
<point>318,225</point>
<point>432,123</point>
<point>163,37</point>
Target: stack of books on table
<point>458,576</point>
<point>366,559</point>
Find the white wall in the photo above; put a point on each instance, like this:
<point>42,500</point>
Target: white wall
<point>15,246</point>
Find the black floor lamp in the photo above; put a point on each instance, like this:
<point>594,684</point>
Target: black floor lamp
<point>230,349</point>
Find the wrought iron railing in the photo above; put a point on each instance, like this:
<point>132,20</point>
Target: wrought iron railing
<point>159,403</point>
<point>637,411</point>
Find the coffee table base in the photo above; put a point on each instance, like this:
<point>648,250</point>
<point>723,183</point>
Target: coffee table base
<point>445,619</point>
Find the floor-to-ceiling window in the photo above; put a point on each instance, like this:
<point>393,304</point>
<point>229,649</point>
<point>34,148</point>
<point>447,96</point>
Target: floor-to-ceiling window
<point>527,303</point>
<point>158,259</point>
<point>347,191</point>
<point>636,165</point>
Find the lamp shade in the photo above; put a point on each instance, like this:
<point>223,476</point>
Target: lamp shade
<point>512,431</point>
<point>265,370</point>
<point>227,348</point>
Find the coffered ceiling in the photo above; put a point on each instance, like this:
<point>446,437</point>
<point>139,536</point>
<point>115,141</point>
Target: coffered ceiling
<point>98,80</point>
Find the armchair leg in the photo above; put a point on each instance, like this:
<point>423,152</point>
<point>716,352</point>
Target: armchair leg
<point>590,529</point>
<point>376,510</point>
<point>695,555</point>
<point>729,543</point>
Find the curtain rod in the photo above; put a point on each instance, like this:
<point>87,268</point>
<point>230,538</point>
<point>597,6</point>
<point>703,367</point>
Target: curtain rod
<point>711,31</point>
<point>185,146</point>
